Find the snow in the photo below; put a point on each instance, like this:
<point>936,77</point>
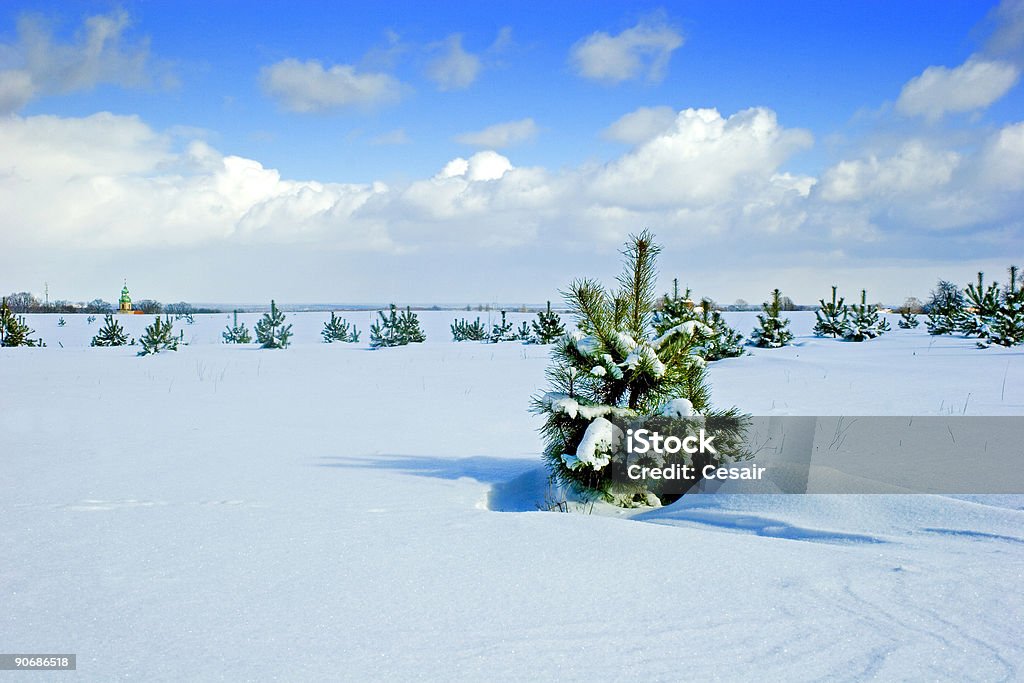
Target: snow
<point>600,439</point>
<point>224,512</point>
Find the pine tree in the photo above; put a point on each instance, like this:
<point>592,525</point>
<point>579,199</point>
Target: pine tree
<point>338,329</point>
<point>159,337</point>
<point>908,320</point>
<point>831,317</point>
<point>409,326</point>
<point>396,329</point>
<point>945,308</point>
<point>1007,325</point>
<point>236,334</point>
<point>982,307</point>
<point>613,369</point>
<point>675,309</point>
<point>865,322</point>
<point>774,330</point>
<point>271,332</point>
<point>723,341</point>
<point>463,330</point>
<point>501,331</point>
<point>90,320</point>
<point>523,332</point>
<point>61,322</point>
<point>547,328</point>
<point>111,334</point>
<point>13,329</point>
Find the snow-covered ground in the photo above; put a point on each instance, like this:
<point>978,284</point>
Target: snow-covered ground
<point>327,512</point>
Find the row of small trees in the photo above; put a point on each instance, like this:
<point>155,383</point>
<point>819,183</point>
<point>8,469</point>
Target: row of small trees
<point>992,313</point>
<point>546,329</point>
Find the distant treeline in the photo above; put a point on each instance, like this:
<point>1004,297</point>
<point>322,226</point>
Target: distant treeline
<point>24,302</point>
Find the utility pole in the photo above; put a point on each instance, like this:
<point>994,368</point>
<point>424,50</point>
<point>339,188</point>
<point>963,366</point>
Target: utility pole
<point>46,293</point>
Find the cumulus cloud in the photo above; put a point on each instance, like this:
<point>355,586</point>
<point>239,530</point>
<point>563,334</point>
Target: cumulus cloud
<point>109,181</point>
<point>308,87</point>
<point>641,125</point>
<point>454,68</point>
<point>702,156</point>
<point>914,168</point>
<point>975,84</point>
<point>641,51</point>
<point>707,181</point>
<point>501,134</point>
<point>37,64</point>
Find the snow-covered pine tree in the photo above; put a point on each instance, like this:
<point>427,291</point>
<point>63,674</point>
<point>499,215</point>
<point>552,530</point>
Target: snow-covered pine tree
<point>271,332</point>
<point>90,320</point>
<point>613,369</point>
<point>395,329</point>
<point>774,329</point>
<point>502,331</point>
<point>523,333</point>
<point>1007,326</point>
<point>723,341</point>
<point>159,337</point>
<point>409,325</point>
<point>61,322</point>
<point>945,308</point>
<point>111,334</point>
<point>908,320</point>
<point>463,330</point>
<point>831,317</point>
<point>339,330</point>
<point>548,327</point>
<point>674,309</point>
<point>236,334</point>
<point>982,307</point>
<point>14,331</point>
<point>864,322</point>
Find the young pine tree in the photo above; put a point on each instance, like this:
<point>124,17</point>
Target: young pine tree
<point>338,330</point>
<point>982,306</point>
<point>945,308</point>
<point>723,341</point>
<point>236,334</point>
<point>502,331</point>
<point>13,329</point>
<point>675,309</point>
<point>774,329</point>
<point>612,369</point>
<point>271,332</point>
<point>831,317</point>
<point>523,332</point>
<point>111,334</point>
<point>463,330</point>
<point>908,320</point>
<point>547,328</point>
<point>61,322</point>
<point>1007,326</point>
<point>864,322</point>
<point>159,337</point>
<point>396,329</point>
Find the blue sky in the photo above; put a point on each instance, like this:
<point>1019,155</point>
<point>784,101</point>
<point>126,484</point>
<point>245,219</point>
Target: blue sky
<point>862,121</point>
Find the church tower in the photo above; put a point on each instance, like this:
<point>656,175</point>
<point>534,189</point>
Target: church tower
<point>125,302</point>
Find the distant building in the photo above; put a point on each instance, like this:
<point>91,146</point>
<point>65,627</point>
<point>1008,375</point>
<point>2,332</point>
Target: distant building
<point>124,304</point>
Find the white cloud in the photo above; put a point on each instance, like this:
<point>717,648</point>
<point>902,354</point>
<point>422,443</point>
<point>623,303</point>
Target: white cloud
<point>308,87</point>
<point>36,64</point>
<point>110,182</point>
<point>454,68</point>
<point>501,134</point>
<point>643,50</point>
<point>1008,35</point>
<point>975,84</point>
<point>708,183</point>
<point>702,157</point>
<point>914,168</point>
<point>641,125</point>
